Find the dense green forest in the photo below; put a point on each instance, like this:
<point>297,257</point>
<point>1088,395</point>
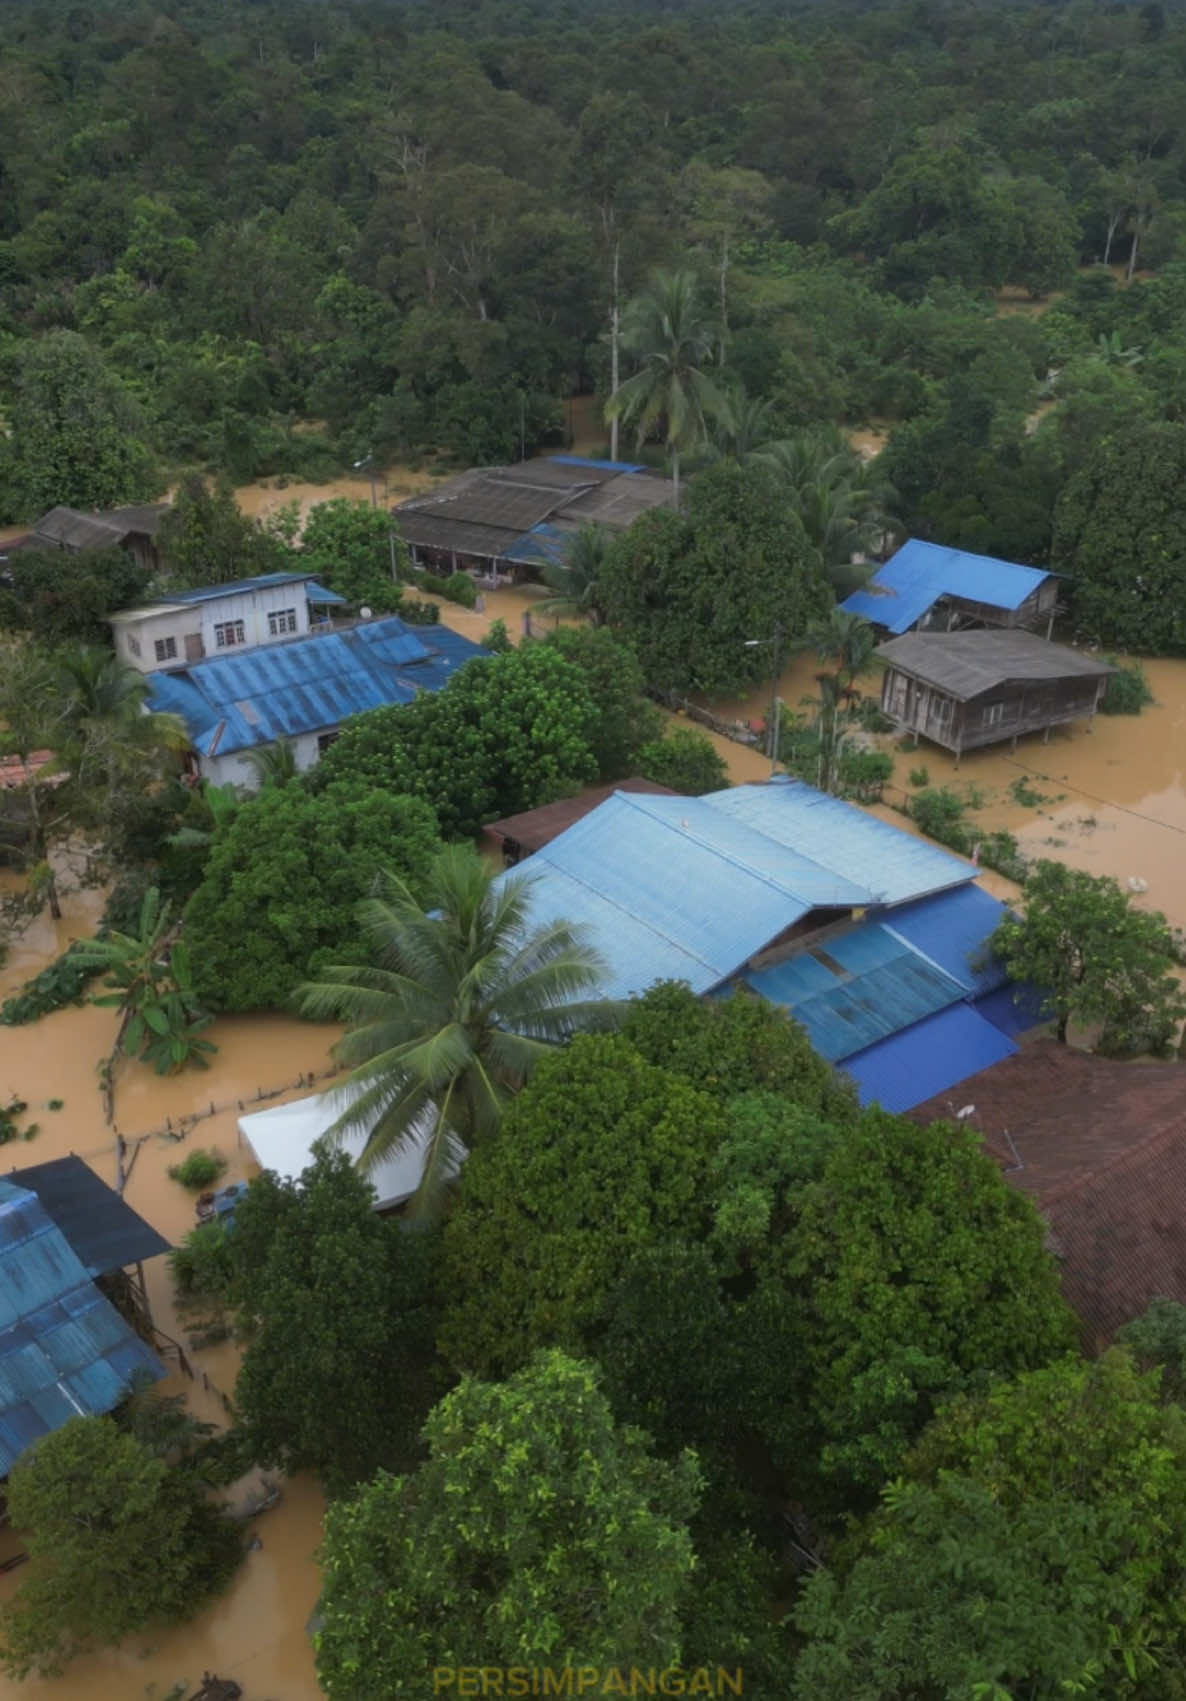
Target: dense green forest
<point>412,225</point>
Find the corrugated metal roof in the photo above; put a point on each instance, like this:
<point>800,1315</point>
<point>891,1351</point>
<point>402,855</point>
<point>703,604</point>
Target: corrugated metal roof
<point>882,986</point>
<point>256,696</point>
<point>914,578</point>
<point>64,1350</point>
<point>929,1058</point>
<point>238,587</point>
<point>101,1228</point>
<point>896,866</point>
<point>953,930</point>
<point>69,529</point>
<point>318,593</point>
<point>691,888</point>
<point>966,663</point>
<point>1014,1009</point>
<point>607,466</point>
<point>544,545</point>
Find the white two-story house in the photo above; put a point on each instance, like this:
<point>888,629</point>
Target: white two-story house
<point>246,666</point>
<point>190,625</point>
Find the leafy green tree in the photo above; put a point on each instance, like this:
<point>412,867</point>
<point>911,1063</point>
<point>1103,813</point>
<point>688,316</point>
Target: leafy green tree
<point>62,599</point>
<point>1157,1341</point>
<point>671,338</point>
<point>847,641</point>
<point>461,1000</point>
<point>333,1299</point>
<point>1117,537</point>
<point>353,548</point>
<point>625,720</point>
<point>206,539</point>
<point>691,592</point>
<point>283,882</point>
<point>602,1155</point>
<point>76,435</point>
<point>117,1541</point>
<point>573,1548</point>
<point>685,760</point>
<point>1100,962</point>
<point>273,764</point>
<point>506,734</point>
<point>1033,1547</point>
<point>921,1272</point>
<point>729,1046</point>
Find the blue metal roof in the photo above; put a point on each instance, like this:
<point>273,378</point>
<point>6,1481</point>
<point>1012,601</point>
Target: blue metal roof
<point>100,1227</point>
<point>316,592</point>
<point>610,466</point>
<point>64,1350</point>
<point>882,986</point>
<point>256,696</point>
<point>894,865</point>
<point>953,930</point>
<point>545,543</point>
<point>914,579</point>
<point>1014,1009</point>
<point>933,1055</point>
<point>236,587</point>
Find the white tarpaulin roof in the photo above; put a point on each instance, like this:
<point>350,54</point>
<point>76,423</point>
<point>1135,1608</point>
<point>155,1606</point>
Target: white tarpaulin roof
<point>282,1140</point>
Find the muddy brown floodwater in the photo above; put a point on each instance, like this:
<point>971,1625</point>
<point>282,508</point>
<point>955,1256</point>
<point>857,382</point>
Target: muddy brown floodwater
<point>256,1632</point>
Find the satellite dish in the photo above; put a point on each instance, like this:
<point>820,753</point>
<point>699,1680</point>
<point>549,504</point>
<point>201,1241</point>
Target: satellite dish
<point>365,613</point>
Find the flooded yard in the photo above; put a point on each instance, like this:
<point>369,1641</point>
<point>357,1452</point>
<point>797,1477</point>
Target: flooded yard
<point>256,1632</point>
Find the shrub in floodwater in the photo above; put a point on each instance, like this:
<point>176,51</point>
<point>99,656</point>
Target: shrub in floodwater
<point>200,1169</point>
<point>1128,690</point>
<point>920,776</point>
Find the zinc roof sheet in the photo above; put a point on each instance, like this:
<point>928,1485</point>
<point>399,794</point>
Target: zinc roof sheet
<point>914,579</point>
<point>953,929</point>
<point>928,1058</point>
<point>966,663</point>
<point>256,696</point>
<point>883,986</point>
<point>238,587</point>
<point>101,1228</point>
<point>893,865</point>
<point>64,1350</point>
<point>1014,1009</point>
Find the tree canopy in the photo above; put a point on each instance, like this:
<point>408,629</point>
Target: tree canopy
<point>1101,963</point>
<point>283,882</point>
<point>700,595</point>
<point>571,1548</point>
<point>1033,1546</point>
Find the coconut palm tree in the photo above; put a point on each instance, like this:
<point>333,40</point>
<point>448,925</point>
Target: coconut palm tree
<point>103,719</point>
<point>844,503</point>
<point>574,580</point>
<point>744,432</point>
<point>672,338</point>
<point>847,641</point>
<point>460,1000</point>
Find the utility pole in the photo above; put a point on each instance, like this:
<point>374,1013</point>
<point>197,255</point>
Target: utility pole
<point>774,723</point>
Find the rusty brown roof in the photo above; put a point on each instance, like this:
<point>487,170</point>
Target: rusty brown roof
<point>535,828</point>
<point>1100,1146</point>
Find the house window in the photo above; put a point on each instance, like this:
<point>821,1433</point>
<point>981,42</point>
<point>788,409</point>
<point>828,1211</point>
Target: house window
<point>325,739</point>
<point>992,714</point>
<point>166,649</point>
<point>133,644</point>
<point>228,633</point>
<point>280,621</point>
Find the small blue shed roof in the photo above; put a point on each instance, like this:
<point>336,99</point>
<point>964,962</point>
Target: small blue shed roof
<point>891,864</point>
<point>256,696</point>
<point>953,929</point>
<point>608,466</point>
<point>64,1350</point>
<point>882,986</point>
<point>928,1058</point>
<point>914,579</point>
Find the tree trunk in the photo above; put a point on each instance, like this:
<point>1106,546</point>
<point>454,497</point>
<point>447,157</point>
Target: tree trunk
<point>675,473</point>
<point>40,846</point>
<point>724,301</point>
<point>1062,1030</point>
<point>1132,258</point>
<point>614,332</point>
<point>1113,227</point>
